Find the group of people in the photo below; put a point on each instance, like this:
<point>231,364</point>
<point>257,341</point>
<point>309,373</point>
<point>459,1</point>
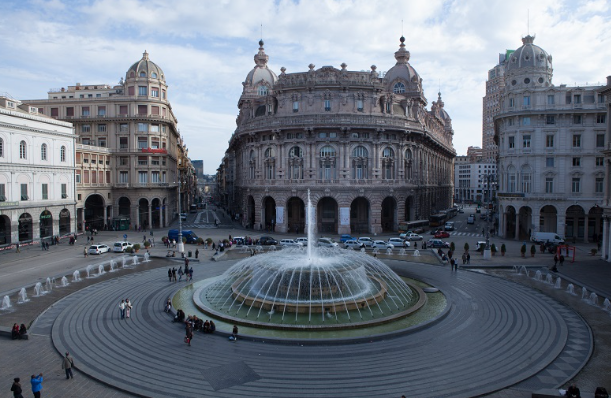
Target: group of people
<point>187,272</point>
<point>558,259</point>
<point>35,380</point>
<point>466,257</point>
<point>125,308</point>
<point>18,331</point>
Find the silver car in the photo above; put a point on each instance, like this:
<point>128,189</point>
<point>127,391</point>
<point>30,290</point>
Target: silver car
<point>353,244</point>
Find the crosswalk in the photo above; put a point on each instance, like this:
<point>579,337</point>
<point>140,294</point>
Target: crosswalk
<point>200,225</point>
<point>472,234</point>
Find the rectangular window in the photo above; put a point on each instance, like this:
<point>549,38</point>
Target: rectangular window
<point>101,128</point>
<point>78,178</point>
<point>154,128</point>
<point>576,185</point>
<point>327,105</point>
<point>64,191</point>
<point>142,143</point>
<point>155,92</point>
<point>359,105</point>
<point>155,177</point>
<point>598,184</point>
<point>550,100</point>
<point>86,177</point>
<point>142,109</point>
<point>142,90</point>
<point>85,111</point>
<point>123,161</point>
<point>600,140</point>
<point>155,161</point>
<point>549,184</point>
<point>45,191</point>
<point>123,177</point>
<point>526,100</point>
<point>526,121</point>
<point>2,193</point>
<point>577,119</point>
<point>577,141</point>
<point>526,141</point>
<point>142,177</point>
<point>577,99</point>
<point>511,102</point>
<point>551,119</point>
<point>526,183</point>
<point>163,94</point>
<point>601,98</point>
<point>143,127</point>
<point>94,177</point>
<point>24,192</point>
<point>295,106</point>
<point>512,142</point>
<point>154,110</point>
<point>568,99</point>
<point>102,142</point>
<point>54,112</point>
<point>154,143</point>
<point>510,121</point>
<point>512,183</point>
<point>124,128</point>
<point>85,128</point>
<point>600,161</point>
<point>549,141</point>
<point>101,111</point>
<point>549,162</point>
<point>123,143</point>
<point>122,109</point>
<point>601,118</point>
<point>142,160</point>
<point>85,141</point>
<point>576,162</point>
<point>70,111</point>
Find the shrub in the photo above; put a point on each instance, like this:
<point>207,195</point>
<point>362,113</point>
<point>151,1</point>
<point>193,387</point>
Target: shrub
<point>209,241</point>
<point>137,247</point>
<point>466,247</point>
<point>493,248</point>
<point>593,251</point>
<point>503,248</point>
<point>129,250</point>
<point>184,240</point>
<point>147,244</point>
<point>200,241</point>
<point>533,249</point>
<point>452,246</point>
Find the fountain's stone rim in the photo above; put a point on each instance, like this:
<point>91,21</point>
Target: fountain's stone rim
<point>422,299</point>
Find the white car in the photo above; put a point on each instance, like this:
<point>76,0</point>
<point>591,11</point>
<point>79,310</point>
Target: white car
<point>353,244</point>
<point>98,249</point>
<point>327,242</point>
<point>119,247</point>
<point>411,236</point>
<point>290,243</point>
<point>398,242</point>
<point>380,244</point>
<point>303,241</point>
<point>367,242</point>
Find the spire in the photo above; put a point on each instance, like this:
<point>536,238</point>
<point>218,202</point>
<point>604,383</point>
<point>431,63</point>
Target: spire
<point>145,55</point>
<point>439,100</point>
<point>402,55</point>
<point>261,58</point>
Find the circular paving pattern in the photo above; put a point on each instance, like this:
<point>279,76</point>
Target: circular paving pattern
<point>495,334</point>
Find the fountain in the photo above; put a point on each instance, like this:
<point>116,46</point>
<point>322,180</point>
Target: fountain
<point>135,260</point>
<point>607,305</point>
<point>64,281</point>
<point>389,251</point>
<point>112,266</point>
<point>363,250</point>
<point>416,253</point>
<point>318,289</point>
<point>146,257</point>
<point>558,284</point>
<point>101,270</point>
<point>594,299</point>
<point>272,248</point>
<point>376,250</point>
<point>402,252</point>
<point>538,276</point>
<point>38,289</point>
<point>570,289</point>
<point>88,270</point>
<point>6,303</point>
<point>23,296</point>
<point>516,269</point>
<point>584,293</point>
<point>123,261</point>
<point>525,270</point>
<point>76,276</point>
<point>49,284</point>
<point>549,279</point>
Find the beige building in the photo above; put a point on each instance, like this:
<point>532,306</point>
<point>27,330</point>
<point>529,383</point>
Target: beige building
<point>365,146</point>
<point>491,106</point>
<point>606,204</point>
<point>129,148</point>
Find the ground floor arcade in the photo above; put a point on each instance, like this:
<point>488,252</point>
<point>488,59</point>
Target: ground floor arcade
<point>31,224</point>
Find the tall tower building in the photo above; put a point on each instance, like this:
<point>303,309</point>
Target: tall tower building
<point>491,107</point>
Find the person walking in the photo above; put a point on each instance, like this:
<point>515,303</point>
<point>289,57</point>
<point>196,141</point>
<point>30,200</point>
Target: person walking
<point>67,364</point>
<point>189,336</point>
<point>196,253</point>
<point>85,251</point>
<point>128,308</point>
<point>468,258</point>
<point>17,247</point>
<point>174,274</point>
<point>561,260</point>
<point>16,388</point>
<point>191,274</point>
<point>234,333</point>
<point>170,274</point>
<point>464,258</point>
<point>36,382</point>
<point>180,274</point>
<point>122,309</point>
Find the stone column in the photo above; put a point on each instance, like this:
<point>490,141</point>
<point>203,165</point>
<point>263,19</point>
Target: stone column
<point>517,231</point>
<point>106,215</point>
<point>561,224</point>
<point>585,228</point>
<point>603,248</point>
<point>161,215</point>
<point>150,222</point>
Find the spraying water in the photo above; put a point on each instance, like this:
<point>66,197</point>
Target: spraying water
<point>6,303</point>
<point>23,296</point>
<point>607,304</point>
<point>38,289</point>
<point>112,266</point>
<point>594,299</point>
<point>64,281</point>
<point>558,284</point>
<point>146,257</point>
<point>584,293</point>
<point>538,276</point>
<point>101,270</point>
<point>135,260</point>
<point>570,289</point>
<point>76,276</point>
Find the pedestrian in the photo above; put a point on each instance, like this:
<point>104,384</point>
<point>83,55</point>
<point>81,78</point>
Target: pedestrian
<point>36,385</point>
<point>170,274</point>
<point>464,258</point>
<point>144,239</point>
<point>174,274</point>
<point>561,260</point>
<point>186,265</point>
<point>128,308</point>
<point>483,232</point>
<point>189,332</point>
<point>17,246</point>
<point>88,238</point>
<point>85,251</point>
<point>44,247</point>
<point>47,244</point>
<point>468,258</point>
<point>16,388</point>
<point>555,260</point>
<point>168,305</point>
<point>196,253</point>
<point>234,333</point>
<point>67,364</point>
<point>122,309</point>
<point>191,274</point>
<point>415,245</point>
<point>180,273</point>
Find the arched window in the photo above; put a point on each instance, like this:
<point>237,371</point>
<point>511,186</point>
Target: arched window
<point>252,155</point>
<point>269,153</point>
<point>142,74</point>
<point>408,164</point>
<point>23,150</point>
<point>262,90</point>
<point>43,152</point>
<point>511,179</point>
<point>1,148</point>
<point>252,163</point>
<point>408,154</point>
<point>62,154</point>
<point>388,164</point>
<point>154,75</point>
<point>359,152</point>
<point>399,88</point>
<point>327,151</point>
<point>526,179</point>
<point>295,152</point>
<point>388,153</point>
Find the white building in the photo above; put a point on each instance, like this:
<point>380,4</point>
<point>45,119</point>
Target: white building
<point>36,174</point>
<point>550,140</point>
<point>474,180</point>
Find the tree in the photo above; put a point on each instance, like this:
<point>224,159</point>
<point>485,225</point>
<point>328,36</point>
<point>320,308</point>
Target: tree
<point>523,249</point>
<point>452,246</point>
<point>466,247</point>
<point>533,250</point>
<point>503,249</point>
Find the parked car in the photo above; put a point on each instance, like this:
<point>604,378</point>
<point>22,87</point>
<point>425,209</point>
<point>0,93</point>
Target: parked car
<point>119,247</point>
<point>303,241</point>
<point>437,243</point>
<point>366,241</point>
<point>442,234</point>
<point>411,236</point>
<point>380,244</point>
<point>98,249</point>
<point>327,242</point>
<point>449,226</point>
<point>353,244</point>
<point>239,240</point>
<point>461,210</point>
<point>344,238</point>
<point>481,245</point>
<point>290,243</point>
<point>398,242</point>
<point>183,216</point>
<point>471,219</point>
<point>483,216</point>
<point>267,241</point>
<point>436,231</point>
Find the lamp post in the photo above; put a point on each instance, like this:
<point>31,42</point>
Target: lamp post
<point>487,178</point>
<point>181,245</point>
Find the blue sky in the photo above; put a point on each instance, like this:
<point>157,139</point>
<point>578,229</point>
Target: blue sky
<point>206,48</point>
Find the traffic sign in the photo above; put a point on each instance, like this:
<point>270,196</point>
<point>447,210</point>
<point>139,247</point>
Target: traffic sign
<point>125,236</point>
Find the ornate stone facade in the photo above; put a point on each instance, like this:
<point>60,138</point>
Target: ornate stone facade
<point>366,147</point>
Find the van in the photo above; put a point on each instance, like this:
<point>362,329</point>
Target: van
<point>543,237</point>
<point>188,235</point>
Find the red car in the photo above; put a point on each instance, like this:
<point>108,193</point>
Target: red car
<point>442,234</point>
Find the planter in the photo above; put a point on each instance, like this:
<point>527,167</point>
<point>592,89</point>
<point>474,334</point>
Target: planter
<point>503,254</point>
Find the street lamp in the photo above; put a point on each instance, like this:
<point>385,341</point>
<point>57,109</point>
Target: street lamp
<point>181,245</point>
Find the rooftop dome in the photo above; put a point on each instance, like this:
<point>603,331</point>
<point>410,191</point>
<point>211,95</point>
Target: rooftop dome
<point>403,72</point>
<point>147,67</point>
<point>529,65</point>
<point>261,71</point>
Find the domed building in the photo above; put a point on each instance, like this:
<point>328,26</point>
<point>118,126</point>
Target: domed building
<point>550,141</point>
<point>128,149</point>
<point>364,145</point>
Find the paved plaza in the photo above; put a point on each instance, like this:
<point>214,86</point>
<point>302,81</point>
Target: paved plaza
<point>502,335</point>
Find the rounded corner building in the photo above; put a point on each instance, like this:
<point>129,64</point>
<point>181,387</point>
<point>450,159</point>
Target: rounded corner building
<point>365,146</point>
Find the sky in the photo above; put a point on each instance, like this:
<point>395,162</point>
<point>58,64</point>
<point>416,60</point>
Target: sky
<point>206,48</point>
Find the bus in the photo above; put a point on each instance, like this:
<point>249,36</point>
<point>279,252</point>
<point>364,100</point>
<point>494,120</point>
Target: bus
<point>416,227</point>
<point>451,213</point>
<point>437,220</point>
<point>193,209</point>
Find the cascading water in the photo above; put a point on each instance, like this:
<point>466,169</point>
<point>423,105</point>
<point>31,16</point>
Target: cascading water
<point>101,270</point>
<point>112,266</point>
<point>49,285</point>
<point>558,284</point>
<point>538,276</point>
<point>584,293</point>
<point>549,279</point>
<point>607,305</point>
<point>38,290</point>
<point>146,257</point>
<point>123,261</point>
<point>6,303</point>
<point>593,299</point>
<point>88,271</point>
<point>416,253</point>
<point>23,296</point>
<point>64,281</point>
<point>76,276</point>
<point>135,260</point>
<point>321,287</point>
<point>570,289</point>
